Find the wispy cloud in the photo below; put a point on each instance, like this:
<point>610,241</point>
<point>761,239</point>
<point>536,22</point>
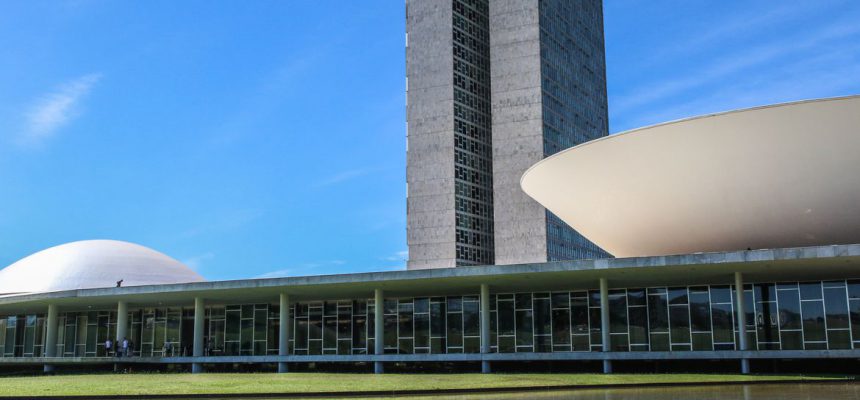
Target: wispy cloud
<point>402,255</point>
<point>730,70</point>
<point>54,110</point>
<point>342,176</point>
<point>225,222</point>
<point>301,269</point>
<point>196,262</point>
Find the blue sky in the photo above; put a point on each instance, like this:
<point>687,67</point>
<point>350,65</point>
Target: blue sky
<point>267,138</point>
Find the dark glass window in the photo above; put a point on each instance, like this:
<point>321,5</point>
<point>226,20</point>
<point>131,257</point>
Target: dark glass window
<point>721,294</point>
<point>638,325</point>
<point>700,315</point>
<point>506,318</point>
<point>561,326</point>
<point>617,312</point>
<point>542,317</point>
<point>658,313</point>
<point>455,330</point>
<point>789,309</point>
<point>678,296</point>
<point>471,319</point>
<point>836,306</point>
<point>679,323</point>
<point>810,291</point>
<point>636,297</point>
<point>721,315</point>
<point>524,328</point>
<point>813,321</point>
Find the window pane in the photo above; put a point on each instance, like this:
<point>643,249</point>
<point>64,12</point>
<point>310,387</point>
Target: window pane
<point>789,309</point>
<point>561,326</point>
<point>471,319</point>
<point>560,300</point>
<point>523,301</point>
<point>524,328</point>
<point>618,312</point>
<point>721,294</point>
<point>792,340</point>
<point>422,330</point>
<point>810,291</point>
<point>638,325</point>
<point>836,306</point>
<point>721,315</point>
<point>506,317</point>
<point>636,297</point>
<point>658,313</point>
<point>679,322</point>
<point>579,315</point>
<point>542,319</point>
<point>813,321</point>
<point>838,340</point>
<point>700,315</point>
<point>766,321</point>
<point>764,292</point>
<point>678,296</point>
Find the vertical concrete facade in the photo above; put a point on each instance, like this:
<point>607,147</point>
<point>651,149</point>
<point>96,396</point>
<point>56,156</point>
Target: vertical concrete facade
<point>199,315</point>
<point>547,92</point>
<point>485,326</point>
<point>378,329</point>
<point>430,227</point>
<point>284,330</point>
<point>121,322</point>
<point>51,336</point>
<point>742,320</point>
<point>604,323</point>
<point>515,74</point>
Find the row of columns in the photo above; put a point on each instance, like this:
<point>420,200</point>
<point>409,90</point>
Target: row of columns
<point>378,325</point>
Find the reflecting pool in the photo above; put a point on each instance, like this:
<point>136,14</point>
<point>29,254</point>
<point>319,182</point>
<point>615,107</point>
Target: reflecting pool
<point>819,391</point>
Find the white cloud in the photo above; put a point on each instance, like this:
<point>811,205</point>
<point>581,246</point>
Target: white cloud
<point>196,262</point>
<point>728,70</point>
<point>57,108</point>
<point>343,176</point>
<point>402,255</point>
<point>301,270</point>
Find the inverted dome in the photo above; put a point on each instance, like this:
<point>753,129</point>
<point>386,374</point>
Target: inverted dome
<point>779,176</point>
<point>92,264</point>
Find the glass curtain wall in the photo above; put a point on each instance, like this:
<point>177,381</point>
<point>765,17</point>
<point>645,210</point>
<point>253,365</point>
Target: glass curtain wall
<point>780,316</point>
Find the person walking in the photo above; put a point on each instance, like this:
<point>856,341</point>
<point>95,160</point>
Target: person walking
<point>125,346</point>
<point>108,347</point>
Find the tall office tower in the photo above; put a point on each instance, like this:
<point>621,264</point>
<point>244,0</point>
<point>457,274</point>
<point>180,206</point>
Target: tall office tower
<point>492,88</point>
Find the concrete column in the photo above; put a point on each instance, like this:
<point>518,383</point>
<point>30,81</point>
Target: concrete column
<point>284,332</point>
<point>604,323</point>
<point>121,323</point>
<point>742,321</point>
<point>199,315</point>
<point>378,329</point>
<point>51,336</point>
<point>485,326</point>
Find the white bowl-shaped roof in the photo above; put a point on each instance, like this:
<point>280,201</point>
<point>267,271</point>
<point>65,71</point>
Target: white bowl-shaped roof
<point>778,176</point>
<point>92,264</point>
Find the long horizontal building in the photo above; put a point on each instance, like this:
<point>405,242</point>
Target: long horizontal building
<point>795,303</point>
<point>796,299</point>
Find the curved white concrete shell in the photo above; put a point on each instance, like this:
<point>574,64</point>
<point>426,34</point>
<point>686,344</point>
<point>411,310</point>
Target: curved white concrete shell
<point>92,264</point>
<point>769,177</point>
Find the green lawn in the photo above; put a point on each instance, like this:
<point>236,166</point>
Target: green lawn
<point>131,384</point>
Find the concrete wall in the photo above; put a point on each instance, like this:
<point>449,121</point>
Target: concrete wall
<point>430,137</point>
<point>520,222</point>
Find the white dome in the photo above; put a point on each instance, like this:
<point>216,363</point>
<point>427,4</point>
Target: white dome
<point>760,178</point>
<point>92,264</point>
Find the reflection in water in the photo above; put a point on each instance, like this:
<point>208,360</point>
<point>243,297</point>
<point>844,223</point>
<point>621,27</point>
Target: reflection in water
<point>836,391</point>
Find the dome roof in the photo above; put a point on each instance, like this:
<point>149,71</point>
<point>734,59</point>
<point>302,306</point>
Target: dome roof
<point>760,178</point>
<point>92,264</point>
